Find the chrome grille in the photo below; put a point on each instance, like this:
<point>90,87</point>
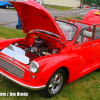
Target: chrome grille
<point>13,69</point>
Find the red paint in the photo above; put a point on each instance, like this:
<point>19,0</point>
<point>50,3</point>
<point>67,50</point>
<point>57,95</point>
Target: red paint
<point>78,59</point>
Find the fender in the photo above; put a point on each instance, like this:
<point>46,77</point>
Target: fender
<point>5,43</point>
<point>56,61</point>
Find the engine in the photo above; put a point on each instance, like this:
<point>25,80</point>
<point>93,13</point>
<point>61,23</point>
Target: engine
<point>41,48</point>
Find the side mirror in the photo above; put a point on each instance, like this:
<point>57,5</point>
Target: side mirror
<point>79,43</point>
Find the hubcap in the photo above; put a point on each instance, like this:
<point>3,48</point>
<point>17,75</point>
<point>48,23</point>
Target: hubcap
<point>6,6</point>
<point>55,83</point>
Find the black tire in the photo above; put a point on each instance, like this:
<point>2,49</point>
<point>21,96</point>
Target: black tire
<point>54,84</point>
<point>97,70</point>
<point>7,6</point>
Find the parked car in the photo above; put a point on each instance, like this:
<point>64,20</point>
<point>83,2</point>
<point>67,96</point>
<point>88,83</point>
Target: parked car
<point>88,7</point>
<point>52,53</point>
<point>6,4</point>
<point>93,7</point>
<point>98,8</point>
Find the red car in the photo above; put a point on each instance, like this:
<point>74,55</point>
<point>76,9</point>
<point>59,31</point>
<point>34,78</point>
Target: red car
<point>53,52</point>
<point>88,7</point>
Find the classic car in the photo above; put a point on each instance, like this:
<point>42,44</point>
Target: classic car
<point>52,53</point>
<point>6,4</point>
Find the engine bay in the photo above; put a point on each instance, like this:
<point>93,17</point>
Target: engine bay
<point>32,47</point>
<point>41,48</point>
<point>41,45</point>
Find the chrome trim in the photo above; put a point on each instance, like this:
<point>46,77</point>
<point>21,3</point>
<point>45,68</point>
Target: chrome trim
<point>24,85</point>
<point>20,76</point>
<point>15,62</point>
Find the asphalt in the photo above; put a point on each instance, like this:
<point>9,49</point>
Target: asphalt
<point>9,18</point>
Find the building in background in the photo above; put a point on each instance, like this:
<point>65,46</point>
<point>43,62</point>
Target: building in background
<point>67,3</point>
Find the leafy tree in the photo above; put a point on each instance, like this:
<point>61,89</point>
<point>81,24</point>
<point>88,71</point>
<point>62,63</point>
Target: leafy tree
<point>97,2</point>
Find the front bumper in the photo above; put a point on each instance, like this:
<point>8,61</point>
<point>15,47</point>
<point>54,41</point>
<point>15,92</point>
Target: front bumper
<point>24,84</point>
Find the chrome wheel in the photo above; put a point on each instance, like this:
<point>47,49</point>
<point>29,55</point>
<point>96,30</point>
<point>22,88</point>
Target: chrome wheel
<point>55,83</point>
<point>7,6</point>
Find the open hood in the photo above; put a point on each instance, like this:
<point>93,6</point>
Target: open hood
<point>34,16</point>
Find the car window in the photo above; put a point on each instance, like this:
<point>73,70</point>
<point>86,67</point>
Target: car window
<point>69,30</point>
<point>97,32</point>
<point>86,35</point>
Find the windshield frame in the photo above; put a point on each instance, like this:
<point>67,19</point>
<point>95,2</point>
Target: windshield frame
<point>69,24</point>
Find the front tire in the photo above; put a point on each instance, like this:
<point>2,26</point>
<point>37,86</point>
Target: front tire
<point>98,70</point>
<point>7,6</point>
<point>54,84</point>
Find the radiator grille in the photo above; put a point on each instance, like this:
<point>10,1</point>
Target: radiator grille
<point>13,69</point>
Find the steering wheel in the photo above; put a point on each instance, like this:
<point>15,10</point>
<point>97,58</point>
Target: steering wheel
<point>70,35</point>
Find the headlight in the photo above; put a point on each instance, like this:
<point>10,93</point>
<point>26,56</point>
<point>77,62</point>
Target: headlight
<point>34,67</point>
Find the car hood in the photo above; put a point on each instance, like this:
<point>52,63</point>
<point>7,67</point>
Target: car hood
<point>33,16</point>
<point>92,17</point>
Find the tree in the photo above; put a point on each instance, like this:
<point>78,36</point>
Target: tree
<point>97,2</point>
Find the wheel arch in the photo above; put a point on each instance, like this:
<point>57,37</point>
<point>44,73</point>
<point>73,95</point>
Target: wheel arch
<point>66,72</point>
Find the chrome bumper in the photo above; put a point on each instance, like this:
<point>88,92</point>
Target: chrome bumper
<point>24,85</point>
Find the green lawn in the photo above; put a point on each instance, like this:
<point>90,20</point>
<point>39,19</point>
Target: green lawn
<point>11,33</point>
<point>85,88</point>
<point>54,7</point>
<point>58,7</point>
<point>67,18</point>
<point>12,9</point>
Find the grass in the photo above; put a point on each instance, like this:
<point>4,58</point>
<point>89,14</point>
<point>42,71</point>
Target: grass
<point>85,88</point>
<point>12,9</point>
<point>76,18</point>
<point>67,18</point>
<point>11,33</point>
<point>58,7</point>
<point>54,7</point>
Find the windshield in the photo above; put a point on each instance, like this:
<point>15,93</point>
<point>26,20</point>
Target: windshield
<point>69,30</point>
